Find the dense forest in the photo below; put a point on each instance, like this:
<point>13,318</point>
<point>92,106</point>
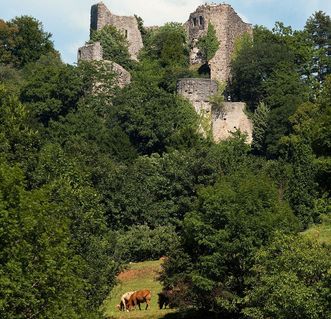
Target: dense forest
<point>95,176</point>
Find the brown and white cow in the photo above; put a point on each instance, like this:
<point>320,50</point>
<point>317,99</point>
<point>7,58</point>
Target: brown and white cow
<point>124,300</point>
<point>138,297</point>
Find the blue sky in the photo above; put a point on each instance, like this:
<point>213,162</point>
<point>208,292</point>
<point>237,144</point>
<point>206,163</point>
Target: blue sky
<point>68,20</point>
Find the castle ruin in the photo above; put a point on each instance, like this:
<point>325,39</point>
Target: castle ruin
<point>222,123</point>
<point>101,16</point>
<point>228,26</point>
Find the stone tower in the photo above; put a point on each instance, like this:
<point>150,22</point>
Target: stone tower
<point>101,16</point>
<point>228,26</point>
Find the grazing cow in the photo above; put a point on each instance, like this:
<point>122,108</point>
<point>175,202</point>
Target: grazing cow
<point>165,298</point>
<point>138,297</point>
<point>124,300</point>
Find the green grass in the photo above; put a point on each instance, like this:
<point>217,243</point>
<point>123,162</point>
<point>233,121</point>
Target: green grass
<point>138,276</point>
<point>320,232</point>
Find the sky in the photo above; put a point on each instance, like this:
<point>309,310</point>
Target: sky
<point>68,20</point>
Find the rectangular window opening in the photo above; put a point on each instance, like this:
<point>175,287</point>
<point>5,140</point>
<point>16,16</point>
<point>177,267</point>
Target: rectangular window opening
<point>201,20</point>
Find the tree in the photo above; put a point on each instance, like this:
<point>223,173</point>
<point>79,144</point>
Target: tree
<point>208,44</point>
<point>254,64</point>
<point>51,88</point>
<point>7,35</point>
<point>19,141</point>
<point>41,275</point>
<point>169,44</point>
<point>302,183</point>
<point>115,46</point>
<point>142,29</point>
<point>231,220</point>
<point>166,48</point>
<point>290,279</point>
<point>152,118</point>
<point>318,27</point>
<point>284,93</point>
<point>24,41</point>
<point>260,123</point>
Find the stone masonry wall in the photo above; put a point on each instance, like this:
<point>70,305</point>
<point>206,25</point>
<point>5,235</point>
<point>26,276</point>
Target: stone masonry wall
<point>90,52</point>
<point>101,16</point>
<point>231,118</point>
<point>93,52</point>
<point>197,91</point>
<point>228,26</point>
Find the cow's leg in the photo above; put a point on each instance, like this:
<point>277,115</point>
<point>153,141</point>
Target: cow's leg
<point>123,304</point>
<point>147,303</point>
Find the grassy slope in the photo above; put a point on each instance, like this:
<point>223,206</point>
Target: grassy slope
<point>320,232</point>
<point>138,276</point>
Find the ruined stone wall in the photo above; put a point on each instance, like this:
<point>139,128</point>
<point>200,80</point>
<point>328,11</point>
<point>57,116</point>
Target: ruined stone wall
<point>90,52</point>
<point>197,91</point>
<point>123,77</point>
<point>93,52</point>
<point>228,26</point>
<point>231,117</point>
<point>101,16</point>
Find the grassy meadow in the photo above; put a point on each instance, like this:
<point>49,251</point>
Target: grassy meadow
<point>320,232</point>
<point>141,275</point>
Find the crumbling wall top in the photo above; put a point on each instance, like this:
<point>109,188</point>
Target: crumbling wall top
<point>101,16</point>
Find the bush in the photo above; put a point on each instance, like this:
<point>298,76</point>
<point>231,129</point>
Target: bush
<point>141,242</point>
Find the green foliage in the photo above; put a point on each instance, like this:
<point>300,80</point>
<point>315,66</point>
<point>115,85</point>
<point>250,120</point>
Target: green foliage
<point>141,242</point>
<point>254,63</point>
<point>260,123</point>
<point>23,40</point>
<point>11,78</point>
<point>18,140</point>
<point>318,27</point>
<point>160,190</point>
<point>93,175</point>
<point>231,220</point>
<point>142,29</point>
<point>302,186</point>
<point>40,274</point>
<point>291,279</point>
<point>169,44</point>
<point>166,47</point>
<point>152,118</point>
<point>51,88</point>
<point>114,45</point>
<point>208,44</point>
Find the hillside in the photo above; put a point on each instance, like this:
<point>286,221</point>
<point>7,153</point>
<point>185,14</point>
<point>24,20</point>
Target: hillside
<point>320,232</point>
